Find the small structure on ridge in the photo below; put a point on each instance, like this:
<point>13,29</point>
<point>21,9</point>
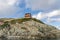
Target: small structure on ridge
<point>28,15</point>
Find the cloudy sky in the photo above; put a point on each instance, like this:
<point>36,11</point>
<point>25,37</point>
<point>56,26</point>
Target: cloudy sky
<point>47,11</point>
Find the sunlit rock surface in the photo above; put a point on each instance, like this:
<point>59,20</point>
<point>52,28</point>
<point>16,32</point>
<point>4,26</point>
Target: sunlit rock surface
<point>29,30</point>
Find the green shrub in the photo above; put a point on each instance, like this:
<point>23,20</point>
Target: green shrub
<point>41,29</point>
<point>37,20</point>
<point>19,20</point>
<point>22,20</point>
<point>5,25</point>
<point>24,28</point>
<point>27,19</point>
<point>13,21</point>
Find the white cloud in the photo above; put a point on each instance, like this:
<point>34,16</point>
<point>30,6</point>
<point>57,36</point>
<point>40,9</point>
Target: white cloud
<point>55,19</point>
<point>6,3</point>
<point>48,16</point>
<point>8,7</point>
<point>45,5</point>
<point>11,2</point>
<point>54,13</point>
<point>39,15</point>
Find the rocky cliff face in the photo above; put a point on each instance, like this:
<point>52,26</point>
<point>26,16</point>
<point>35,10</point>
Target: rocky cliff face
<point>29,30</point>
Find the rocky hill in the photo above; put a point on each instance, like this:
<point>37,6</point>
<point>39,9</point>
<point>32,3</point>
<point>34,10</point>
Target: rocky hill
<point>27,29</point>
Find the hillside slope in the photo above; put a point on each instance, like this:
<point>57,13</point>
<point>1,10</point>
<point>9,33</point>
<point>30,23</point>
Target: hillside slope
<point>28,29</point>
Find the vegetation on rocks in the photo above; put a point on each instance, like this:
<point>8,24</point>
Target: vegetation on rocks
<point>5,25</point>
<point>28,29</point>
<point>13,21</point>
<point>24,19</point>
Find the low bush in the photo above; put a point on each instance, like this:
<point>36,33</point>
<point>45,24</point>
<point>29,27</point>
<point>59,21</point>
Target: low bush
<point>37,20</point>
<point>13,21</point>
<point>5,25</point>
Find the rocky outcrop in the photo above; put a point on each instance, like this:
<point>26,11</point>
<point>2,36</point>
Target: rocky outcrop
<point>30,30</point>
